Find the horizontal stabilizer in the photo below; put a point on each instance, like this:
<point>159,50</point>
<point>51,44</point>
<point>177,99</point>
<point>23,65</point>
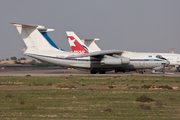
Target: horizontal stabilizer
<point>45,30</point>
<point>91,44</point>
<point>95,39</point>
<point>28,25</point>
<point>39,27</point>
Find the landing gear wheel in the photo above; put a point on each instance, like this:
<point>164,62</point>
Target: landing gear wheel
<point>102,72</point>
<point>116,71</point>
<point>93,72</point>
<point>177,69</point>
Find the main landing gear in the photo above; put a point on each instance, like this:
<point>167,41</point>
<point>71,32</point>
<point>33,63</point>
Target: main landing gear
<point>177,69</point>
<point>102,72</point>
<point>116,71</point>
<point>95,71</point>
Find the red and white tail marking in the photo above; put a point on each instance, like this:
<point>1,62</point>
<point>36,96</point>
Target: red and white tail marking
<point>76,46</point>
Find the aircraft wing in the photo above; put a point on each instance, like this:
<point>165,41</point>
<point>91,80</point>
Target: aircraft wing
<point>98,53</point>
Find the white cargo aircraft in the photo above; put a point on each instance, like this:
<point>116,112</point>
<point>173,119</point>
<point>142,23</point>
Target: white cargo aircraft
<point>139,59</point>
<point>90,45</point>
<point>41,47</point>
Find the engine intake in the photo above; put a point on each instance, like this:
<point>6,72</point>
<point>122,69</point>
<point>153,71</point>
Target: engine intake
<point>115,61</point>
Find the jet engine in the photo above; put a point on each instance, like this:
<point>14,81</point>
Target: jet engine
<point>115,61</point>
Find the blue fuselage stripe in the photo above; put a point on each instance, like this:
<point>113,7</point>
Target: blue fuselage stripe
<point>93,59</point>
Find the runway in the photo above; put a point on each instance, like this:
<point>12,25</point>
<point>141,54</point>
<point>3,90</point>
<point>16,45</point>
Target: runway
<point>74,72</point>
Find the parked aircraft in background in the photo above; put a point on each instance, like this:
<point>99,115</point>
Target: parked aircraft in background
<point>39,47</point>
<point>128,60</point>
<point>173,58</point>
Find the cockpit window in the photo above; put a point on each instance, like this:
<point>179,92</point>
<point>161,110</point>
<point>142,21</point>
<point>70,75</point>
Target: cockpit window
<point>160,57</point>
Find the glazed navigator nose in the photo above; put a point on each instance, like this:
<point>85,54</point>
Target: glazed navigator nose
<point>167,63</point>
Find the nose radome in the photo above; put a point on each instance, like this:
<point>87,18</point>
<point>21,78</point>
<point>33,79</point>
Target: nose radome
<point>167,63</point>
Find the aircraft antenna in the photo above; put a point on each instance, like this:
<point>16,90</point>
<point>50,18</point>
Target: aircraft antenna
<point>172,50</point>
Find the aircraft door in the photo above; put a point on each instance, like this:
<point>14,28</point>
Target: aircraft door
<point>178,60</point>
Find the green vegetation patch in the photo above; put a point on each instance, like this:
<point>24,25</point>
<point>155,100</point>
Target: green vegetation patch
<point>144,98</point>
<point>92,80</point>
<point>87,101</point>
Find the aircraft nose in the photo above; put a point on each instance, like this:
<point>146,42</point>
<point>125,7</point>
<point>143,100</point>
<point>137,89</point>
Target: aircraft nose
<point>167,63</point>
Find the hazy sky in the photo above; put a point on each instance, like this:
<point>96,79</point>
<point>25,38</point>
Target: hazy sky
<point>133,25</point>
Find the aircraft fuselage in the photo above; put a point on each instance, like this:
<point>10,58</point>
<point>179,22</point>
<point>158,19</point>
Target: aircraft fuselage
<point>137,60</point>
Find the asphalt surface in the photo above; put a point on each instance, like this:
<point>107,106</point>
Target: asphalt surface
<point>68,72</point>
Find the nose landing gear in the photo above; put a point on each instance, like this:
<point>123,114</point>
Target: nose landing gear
<point>140,71</point>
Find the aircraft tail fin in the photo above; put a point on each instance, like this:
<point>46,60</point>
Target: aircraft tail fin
<point>33,36</point>
<point>91,44</point>
<point>76,44</point>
